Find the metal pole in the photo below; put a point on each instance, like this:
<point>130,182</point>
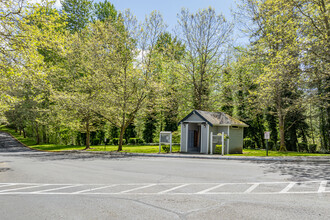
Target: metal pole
<point>267,147</point>
<point>159,143</point>
<point>223,143</point>
<point>211,143</point>
<point>171,142</point>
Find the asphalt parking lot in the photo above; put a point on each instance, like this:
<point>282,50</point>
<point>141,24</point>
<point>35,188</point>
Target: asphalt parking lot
<point>41,185</point>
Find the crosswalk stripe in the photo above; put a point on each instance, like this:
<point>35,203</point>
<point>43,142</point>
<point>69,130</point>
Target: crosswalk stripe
<point>63,187</point>
<point>172,189</point>
<point>251,188</point>
<point>93,189</point>
<point>210,189</point>
<point>288,187</point>
<point>322,186</point>
<point>26,187</point>
<point>7,185</point>
<point>141,187</point>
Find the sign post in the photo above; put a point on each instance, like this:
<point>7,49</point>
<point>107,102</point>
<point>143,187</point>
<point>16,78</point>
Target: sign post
<point>267,136</point>
<point>105,144</point>
<point>165,137</point>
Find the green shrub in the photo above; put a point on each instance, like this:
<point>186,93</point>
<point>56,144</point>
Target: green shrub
<point>115,141</point>
<point>176,135</point>
<point>218,149</point>
<point>166,148</point>
<point>271,145</point>
<point>96,141</point>
<point>302,147</point>
<point>134,141</point>
<point>248,143</point>
<point>312,148</point>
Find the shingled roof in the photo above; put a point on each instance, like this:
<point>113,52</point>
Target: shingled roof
<point>216,118</point>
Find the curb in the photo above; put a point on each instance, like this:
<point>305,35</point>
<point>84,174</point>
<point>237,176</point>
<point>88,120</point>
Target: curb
<point>272,159</point>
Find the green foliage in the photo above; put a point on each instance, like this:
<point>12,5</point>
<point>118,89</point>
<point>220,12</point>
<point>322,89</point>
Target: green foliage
<point>302,147</point>
<point>105,10</point>
<point>218,149</point>
<point>248,143</point>
<point>205,35</point>
<point>115,141</point>
<point>166,148</point>
<point>312,148</point>
<point>149,128</point>
<point>78,12</point>
<point>135,141</point>
<point>63,75</point>
<point>130,132</point>
<point>271,145</point>
<point>176,136</point>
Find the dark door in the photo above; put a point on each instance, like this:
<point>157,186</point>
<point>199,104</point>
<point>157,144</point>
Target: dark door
<point>191,138</point>
<point>196,137</point>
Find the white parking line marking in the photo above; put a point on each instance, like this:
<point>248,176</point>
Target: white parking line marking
<point>26,187</point>
<point>288,187</point>
<point>174,188</point>
<point>141,187</point>
<point>249,190</point>
<point>63,187</point>
<point>210,189</point>
<point>8,185</point>
<point>88,190</point>
<point>173,194</point>
<point>133,188</point>
<point>322,186</point>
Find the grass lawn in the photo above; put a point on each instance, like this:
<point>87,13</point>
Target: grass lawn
<point>126,148</point>
<point>140,148</point>
<point>260,153</point>
<point>55,147</point>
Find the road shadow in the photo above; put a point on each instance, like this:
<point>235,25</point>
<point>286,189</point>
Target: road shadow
<point>52,156</point>
<point>299,171</point>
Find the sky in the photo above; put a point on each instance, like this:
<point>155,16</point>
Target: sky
<point>170,8</point>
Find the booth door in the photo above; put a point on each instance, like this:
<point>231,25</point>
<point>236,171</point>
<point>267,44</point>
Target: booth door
<point>193,141</point>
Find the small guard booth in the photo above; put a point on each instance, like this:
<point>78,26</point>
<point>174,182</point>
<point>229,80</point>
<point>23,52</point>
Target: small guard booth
<point>196,130</point>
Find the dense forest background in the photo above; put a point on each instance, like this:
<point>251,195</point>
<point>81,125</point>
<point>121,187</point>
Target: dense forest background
<point>85,72</point>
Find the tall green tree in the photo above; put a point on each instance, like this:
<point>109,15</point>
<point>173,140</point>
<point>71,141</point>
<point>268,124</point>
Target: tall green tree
<point>105,10</point>
<point>314,28</point>
<point>205,35</point>
<point>78,12</point>
<point>276,39</point>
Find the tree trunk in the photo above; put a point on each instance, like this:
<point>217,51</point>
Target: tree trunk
<point>24,134</point>
<point>37,133</point>
<point>44,134</point>
<point>88,133</point>
<point>311,122</point>
<point>282,132</point>
<point>121,137</point>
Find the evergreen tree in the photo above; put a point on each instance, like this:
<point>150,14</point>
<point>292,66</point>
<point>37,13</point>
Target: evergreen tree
<point>79,13</point>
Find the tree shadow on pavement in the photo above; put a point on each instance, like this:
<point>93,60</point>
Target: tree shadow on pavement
<point>299,171</point>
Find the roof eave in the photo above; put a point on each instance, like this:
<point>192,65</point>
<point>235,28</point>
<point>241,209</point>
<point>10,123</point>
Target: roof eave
<point>195,112</point>
<point>238,125</point>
